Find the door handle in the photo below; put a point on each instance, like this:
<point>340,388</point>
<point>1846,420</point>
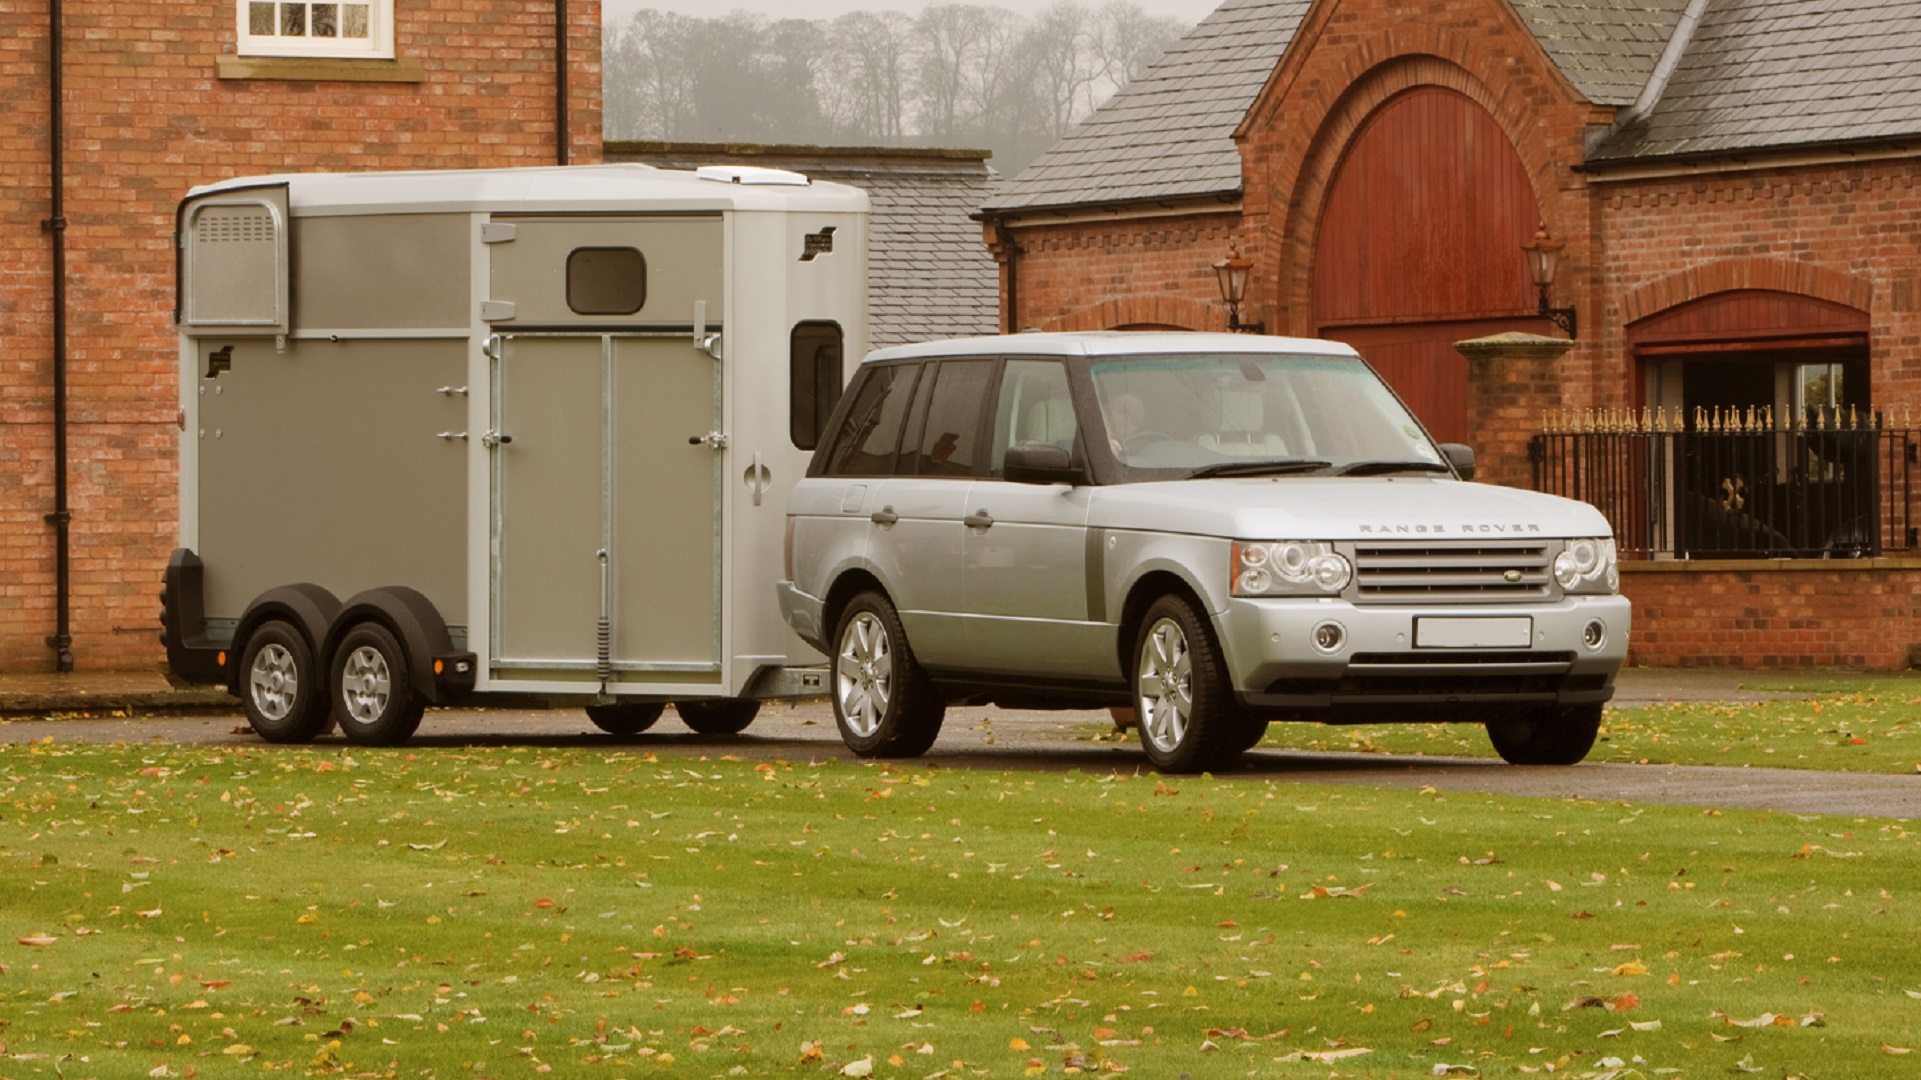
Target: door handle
<point>884,516</point>
<point>979,519</point>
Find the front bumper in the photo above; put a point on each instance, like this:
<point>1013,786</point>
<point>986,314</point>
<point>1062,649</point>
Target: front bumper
<point>1275,662</point>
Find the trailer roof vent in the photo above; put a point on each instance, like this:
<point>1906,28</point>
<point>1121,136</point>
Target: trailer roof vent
<point>235,263</point>
<point>751,174</point>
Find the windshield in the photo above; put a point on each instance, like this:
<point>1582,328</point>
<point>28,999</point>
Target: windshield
<point>1231,414</point>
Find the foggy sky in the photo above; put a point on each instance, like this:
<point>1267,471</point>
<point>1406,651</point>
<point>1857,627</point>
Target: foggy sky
<point>1188,11</point>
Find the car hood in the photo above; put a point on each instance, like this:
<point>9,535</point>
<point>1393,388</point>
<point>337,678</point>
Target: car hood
<point>1342,508</point>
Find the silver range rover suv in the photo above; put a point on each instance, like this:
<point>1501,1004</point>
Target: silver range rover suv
<point>1215,530</point>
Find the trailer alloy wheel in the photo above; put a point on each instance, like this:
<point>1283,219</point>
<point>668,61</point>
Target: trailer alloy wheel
<point>373,697</point>
<point>282,692</point>
<point>626,717</point>
<point>718,716</point>
<point>1551,735</point>
<point>1189,719</point>
<point>884,703</point>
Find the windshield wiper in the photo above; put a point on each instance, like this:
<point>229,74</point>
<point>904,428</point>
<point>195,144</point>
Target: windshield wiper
<point>1371,468</point>
<point>1260,468</point>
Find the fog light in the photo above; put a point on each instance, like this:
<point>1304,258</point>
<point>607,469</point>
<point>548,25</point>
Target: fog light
<point>1594,634</point>
<point>1330,636</point>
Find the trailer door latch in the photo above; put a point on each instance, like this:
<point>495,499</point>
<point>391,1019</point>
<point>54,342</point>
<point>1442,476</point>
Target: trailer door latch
<point>495,438</point>
<point>713,440</point>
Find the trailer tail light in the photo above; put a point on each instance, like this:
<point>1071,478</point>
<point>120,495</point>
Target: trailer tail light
<point>221,659</point>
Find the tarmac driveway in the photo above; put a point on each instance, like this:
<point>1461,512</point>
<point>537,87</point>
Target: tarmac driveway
<point>980,738</point>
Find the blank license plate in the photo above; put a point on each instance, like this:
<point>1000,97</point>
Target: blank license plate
<point>1512,632</point>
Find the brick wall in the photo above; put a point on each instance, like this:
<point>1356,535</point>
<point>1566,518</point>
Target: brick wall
<point>1775,615</point>
<point>1150,272</point>
<point>147,118</point>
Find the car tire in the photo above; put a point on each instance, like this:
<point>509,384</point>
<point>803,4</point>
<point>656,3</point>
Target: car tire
<point>1190,721</point>
<point>718,716</point>
<point>373,695</point>
<point>884,704</point>
<point>625,718</point>
<point>1555,735</point>
<point>282,691</point>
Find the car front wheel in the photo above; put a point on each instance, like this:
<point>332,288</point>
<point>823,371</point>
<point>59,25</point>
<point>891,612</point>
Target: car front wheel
<point>1188,717</point>
<point>1555,735</point>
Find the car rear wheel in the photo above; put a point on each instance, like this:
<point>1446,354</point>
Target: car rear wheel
<point>884,704</point>
<point>1189,719</point>
<point>1555,735</point>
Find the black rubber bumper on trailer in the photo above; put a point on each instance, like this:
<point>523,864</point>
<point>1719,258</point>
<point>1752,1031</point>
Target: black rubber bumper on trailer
<point>191,655</point>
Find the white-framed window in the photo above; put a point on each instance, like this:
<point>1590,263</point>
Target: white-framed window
<point>333,28</point>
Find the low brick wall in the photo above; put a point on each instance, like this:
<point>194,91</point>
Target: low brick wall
<point>1852,613</point>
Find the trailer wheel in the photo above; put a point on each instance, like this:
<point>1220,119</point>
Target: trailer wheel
<point>884,703</point>
<point>626,717</point>
<point>1189,719</point>
<point>373,696</point>
<point>718,716</point>
<point>283,693</point>
<point>1555,735</point>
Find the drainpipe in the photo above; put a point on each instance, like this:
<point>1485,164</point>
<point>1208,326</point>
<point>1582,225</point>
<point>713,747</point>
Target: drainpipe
<point>560,82</point>
<point>56,227</point>
<point>1013,253</point>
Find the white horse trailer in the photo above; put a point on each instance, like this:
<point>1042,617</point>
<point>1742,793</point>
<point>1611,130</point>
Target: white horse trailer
<point>530,431</point>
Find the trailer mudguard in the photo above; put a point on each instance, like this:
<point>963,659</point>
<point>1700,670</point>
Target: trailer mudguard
<point>309,607</point>
<point>421,631</point>
<point>191,654</point>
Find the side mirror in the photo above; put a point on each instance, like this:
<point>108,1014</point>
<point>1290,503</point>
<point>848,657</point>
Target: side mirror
<point>1461,457</point>
<point>1040,463</point>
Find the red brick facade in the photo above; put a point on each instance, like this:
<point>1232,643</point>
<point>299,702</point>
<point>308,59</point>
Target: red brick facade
<point>1638,242</point>
<point>148,115</point>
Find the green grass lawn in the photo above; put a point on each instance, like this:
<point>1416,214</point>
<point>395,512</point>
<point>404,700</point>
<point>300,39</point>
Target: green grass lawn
<point>1853,725</point>
<point>612,913</point>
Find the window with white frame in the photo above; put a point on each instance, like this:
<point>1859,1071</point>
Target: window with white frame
<point>332,28</point>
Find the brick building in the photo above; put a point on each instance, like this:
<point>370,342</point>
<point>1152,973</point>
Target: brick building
<point>1730,189</point>
<point>151,100</point>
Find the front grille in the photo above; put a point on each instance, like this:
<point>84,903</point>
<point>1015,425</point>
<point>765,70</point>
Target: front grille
<point>1428,572</point>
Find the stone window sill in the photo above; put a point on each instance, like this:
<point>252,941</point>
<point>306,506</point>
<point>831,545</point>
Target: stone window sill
<point>318,69</point>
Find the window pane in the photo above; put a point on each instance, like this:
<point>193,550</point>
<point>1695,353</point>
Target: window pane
<point>354,21</point>
<point>869,436</point>
<point>606,281</point>
<point>260,19</point>
<point>326,20</point>
<point>813,380</point>
<point>293,20</point>
<point>951,443</point>
<point>1035,408</point>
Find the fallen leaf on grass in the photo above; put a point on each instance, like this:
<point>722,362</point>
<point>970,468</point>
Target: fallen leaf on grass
<point>40,939</point>
<point>1886,1049</point>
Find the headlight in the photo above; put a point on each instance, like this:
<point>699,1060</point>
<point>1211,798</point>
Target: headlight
<point>1588,566</point>
<point>1289,568</point>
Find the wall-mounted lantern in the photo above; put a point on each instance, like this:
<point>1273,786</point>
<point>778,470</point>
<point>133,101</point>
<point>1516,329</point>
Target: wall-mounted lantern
<point>1543,258</point>
<point>1231,273</point>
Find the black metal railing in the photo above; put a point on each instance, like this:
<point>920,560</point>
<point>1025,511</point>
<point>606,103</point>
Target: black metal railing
<point>1738,485</point>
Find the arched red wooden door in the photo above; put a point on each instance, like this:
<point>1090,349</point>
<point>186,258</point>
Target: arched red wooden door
<point>1419,246</point>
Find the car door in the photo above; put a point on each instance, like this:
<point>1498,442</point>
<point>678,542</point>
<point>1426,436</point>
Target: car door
<point>1025,550</point>
<point>916,535</point>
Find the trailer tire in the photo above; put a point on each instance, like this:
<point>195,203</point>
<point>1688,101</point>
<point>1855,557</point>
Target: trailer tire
<point>718,716</point>
<point>1554,735</point>
<point>884,704</point>
<point>624,718</point>
<point>373,692</point>
<point>282,691</point>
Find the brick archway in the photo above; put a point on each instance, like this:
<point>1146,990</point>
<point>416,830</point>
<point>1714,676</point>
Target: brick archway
<point>1730,275</point>
<point>1299,230</point>
<point>1141,309</point>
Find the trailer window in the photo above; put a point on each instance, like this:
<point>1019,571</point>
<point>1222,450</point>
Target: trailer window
<point>869,435</point>
<point>606,281</point>
<point>813,380</point>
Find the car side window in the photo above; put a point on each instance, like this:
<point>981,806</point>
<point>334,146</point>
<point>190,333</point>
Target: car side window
<point>868,440</point>
<point>1035,408</point>
<point>951,441</point>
